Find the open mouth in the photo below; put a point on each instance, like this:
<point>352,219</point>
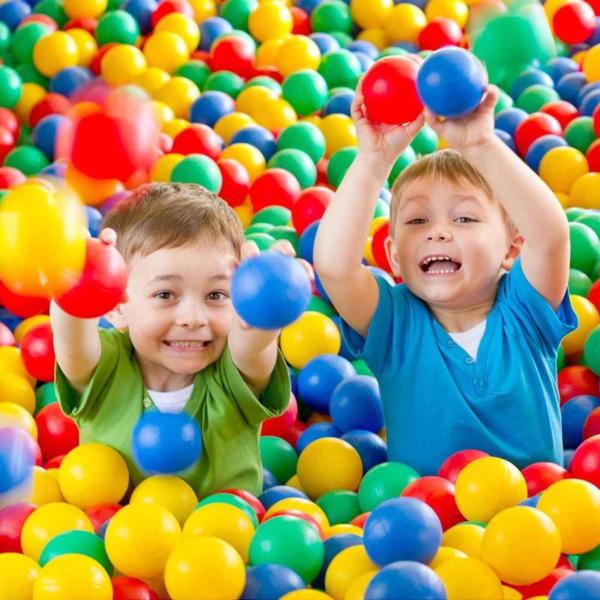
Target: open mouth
<point>439,264</point>
<point>187,344</point>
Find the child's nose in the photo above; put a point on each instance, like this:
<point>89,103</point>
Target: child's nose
<point>192,314</point>
<point>439,234</point>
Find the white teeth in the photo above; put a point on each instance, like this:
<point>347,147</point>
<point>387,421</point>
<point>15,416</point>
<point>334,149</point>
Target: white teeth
<point>187,344</point>
<point>431,259</point>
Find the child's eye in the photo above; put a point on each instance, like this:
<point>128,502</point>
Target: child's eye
<point>164,295</point>
<point>466,220</point>
<point>416,222</point>
<point>217,296</point>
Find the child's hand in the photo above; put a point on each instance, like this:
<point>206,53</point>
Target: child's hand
<point>385,141</point>
<point>470,131</point>
<point>108,236</point>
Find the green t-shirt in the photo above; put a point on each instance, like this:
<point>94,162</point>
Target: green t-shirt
<point>227,410</point>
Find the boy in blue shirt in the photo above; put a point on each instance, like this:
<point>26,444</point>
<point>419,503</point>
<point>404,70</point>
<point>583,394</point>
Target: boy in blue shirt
<point>465,350</point>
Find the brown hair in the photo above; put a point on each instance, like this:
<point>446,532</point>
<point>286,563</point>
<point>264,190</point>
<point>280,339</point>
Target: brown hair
<point>171,215</point>
<point>443,164</point>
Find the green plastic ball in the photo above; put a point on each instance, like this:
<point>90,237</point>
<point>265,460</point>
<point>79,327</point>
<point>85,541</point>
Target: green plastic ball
<point>237,12</point>
<point>535,96</point>
<point>426,141</point>
<point>590,561</point>
<point>340,68</point>
<point>263,240</point>
<point>232,500</point>
<point>340,506</point>
<point>272,216</point>
<point>258,228</point>
<point>29,74</point>
<point>591,351</point>
<point>504,101</point>
<point>339,163</point>
<point>225,81</point>
<point>382,209</point>
<point>407,158</point>
<point>200,169</point>
<point>574,213</point>
<point>278,457</point>
<point>285,232</point>
<point>53,9</point>
<point>331,16</point>
<point>264,81</point>
<point>117,27</point>
<point>196,71</point>
<point>342,38</point>
<point>591,219</point>
<point>585,248</point>
<point>77,542</point>
<point>25,38</point>
<point>317,304</point>
<point>362,368</point>
<point>28,159</point>
<point>560,359</point>
<point>392,51</point>
<point>44,395</point>
<point>579,283</point>
<point>298,163</point>
<point>5,39</point>
<point>10,87</point>
<point>303,136</point>
<point>580,133</point>
<point>306,91</point>
<point>383,482</point>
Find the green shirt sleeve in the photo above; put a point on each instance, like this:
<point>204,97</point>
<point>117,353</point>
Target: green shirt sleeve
<point>273,400</point>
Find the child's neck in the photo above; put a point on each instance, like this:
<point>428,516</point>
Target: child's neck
<point>159,379</point>
<point>463,318</point>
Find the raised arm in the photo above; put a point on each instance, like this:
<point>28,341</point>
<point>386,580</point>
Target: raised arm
<point>344,229</point>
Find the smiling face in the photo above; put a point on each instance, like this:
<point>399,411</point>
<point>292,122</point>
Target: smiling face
<point>451,242</point>
<point>179,311</point>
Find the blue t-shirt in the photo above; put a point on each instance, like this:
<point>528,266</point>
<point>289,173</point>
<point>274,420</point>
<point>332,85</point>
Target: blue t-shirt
<point>438,400</point>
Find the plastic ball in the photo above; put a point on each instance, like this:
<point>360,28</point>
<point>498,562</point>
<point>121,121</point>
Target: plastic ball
<point>69,80</point>
<point>274,187</point>
<point>271,581</point>
<point>356,404</point>
<point>270,20</point>
<point>13,416</point>
<point>197,139</point>
<point>17,576</point>
<point>232,53</point>
<point>563,112</point>
<point>37,351</point>
<point>297,53</point>
<point>584,192</point>
<point>76,542</point>
<point>17,389</point>
<point>383,482</point>
<point>45,133</point>
<point>346,567</point>
<point>580,133</point>
<point>17,457</point>
<point>541,147</point>
<point>439,32</point>
<point>247,155</point>
<point>586,460</point>
<point>122,64</point>
<point>583,584</point>
<point>574,22</point>
<point>77,9</point>
<point>12,519</point>
<point>199,169</point>
<point>533,127</point>
<point>540,476</point>
<point>589,318</point>
<point>469,578</point>
<point>574,413</point>
<point>306,91</point>
<point>562,179</point>
<point>278,457</point>
<point>210,107</point>
<point>303,136</point>
<point>126,588</point>
<point>256,136</point>
<point>331,17</point>
<point>55,52</point>
<point>57,433</point>
<point>236,182</point>
<point>405,579</point>
<point>183,26</point>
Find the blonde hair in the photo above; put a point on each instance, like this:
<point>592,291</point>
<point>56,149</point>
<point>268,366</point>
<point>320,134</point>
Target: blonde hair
<point>171,215</point>
<point>443,164</point>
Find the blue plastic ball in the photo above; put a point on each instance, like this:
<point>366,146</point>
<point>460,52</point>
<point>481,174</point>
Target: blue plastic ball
<point>531,502</point>
<point>56,169</point>
<point>363,46</point>
<point>402,529</point>
<point>451,82</point>
<point>339,103</point>
<point>279,492</point>
<point>364,60</point>
<point>316,432</point>
<point>540,148</point>
<point>568,457</point>
<point>574,413</point>
<point>408,46</point>
<point>319,377</point>
<point>356,404</point>
<point>528,78</point>
<point>45,133</point>
<point>307,241</point>
<point>210,107</point>
<point>589,103</point>
<point>270,291</point>
<point>257,136</point>
<point>271,581</point>
<point>269,480</point>
<point>333,546</point>
<point>17,457</point>
<point>588,88</point>
<point>583,584</point>
<point>307,5</point>
<point>211,29</point>
<point>406,579</point>
<point>13,12</point>
<point>94,220</point>
<point>165,443</point>
<point>69,80</point>
<point>321,289</point>
<point>370,447</point>
<point>141,11</point>
<point>569,85</point>
<point>509,118</point>
<point>560,65</point>
<point>506,138</point>
<point>325,42</point>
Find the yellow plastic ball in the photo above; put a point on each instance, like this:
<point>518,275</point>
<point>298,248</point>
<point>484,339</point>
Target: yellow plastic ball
<point>244,214</point>
<point>585,192</point>
<point>270,19</point>
<point>443,554</point>
<point>456,10</point>
<point>295,483</point>
<point>55,52</point>
<point>218,574</point>
<point>83,9</point>
<point>303,505</point>
<point>14,415</point>
<point>510,593</point>
<point>327,465</point>
<point>345,568</point>
<point>86,46</point>
<point>339,131</point>
<point>49,520</point>
<point>343,528</point>
<point>71,577</point>
<point>163,167</point>
<point>140,538</point>
<point>521,544</point>
<point>166,50</point>
<point>31,94</point>
<point>179,93</point>
<point>358,588</point>
<point>249,156</point>
<point>224,521</point>
<point>563,199</point>
<point>591,64</point>
<point>122,64</point>
<point>306,595</point>
<point>376,36</point>
<point>469,578</point>
<point>465,537</point>
<point>296,53</point>
<point>228,125</point>
<point>310,336</point>
<point>26,325</point>
<point>16,389</point>
<point>172,128</point>
<point>91,191</point>
<point>164,114</point>
<point>488,485</point>
<point>45,487</point>
<point>579,57</point>
<point>275,115</point>
<point>182,25</point>
<point>93,474</point>
<point>561,167</point>
<point>404,23</point>
<point>266,54</point>
<point>370,13</point>
<point>250,98</point>
<point>17,576</point>
<point>203,9</point>
<point>574,506</point>
<point>42,240</point>
<point>168,491</point>
<point>151,79</point>
<point>588,317</point>
<point>11,362</point>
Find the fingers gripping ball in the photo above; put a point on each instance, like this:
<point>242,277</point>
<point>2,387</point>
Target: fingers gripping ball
<point>451,82</point>
<point>101,285</point>
<point>390,90</point>
<point>270,291</point>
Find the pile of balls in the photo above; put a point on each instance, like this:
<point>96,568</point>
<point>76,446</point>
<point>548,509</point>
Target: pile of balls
<point>252,100</point>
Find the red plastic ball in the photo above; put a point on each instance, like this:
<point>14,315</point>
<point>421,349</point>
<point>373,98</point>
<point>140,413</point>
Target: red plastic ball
<point>359,521</point>
<point>597,121</point>
<point>322,178</point>
<point>9,121</point>
<point>37,352</point>
<point>54,462</point>
<point>277,426</point>
<point>292,436</point>
<point>543,587</point>
<point>593,295</point>
<point>574,22</point>
<point>7,142</point>
<point>302,25</point>
<point>232,53</point>
<point>6,336</point>
<point>96,64</point>
<point>252,500</point>
<point>100,513</point>
<point>88,24</point>
<point>564,563</point>
<point>438,493</point>
<point>533,127</point>
<point>591,426</point>
<point>57,433</point>
<point>12,519</point>
<point>310,206</point>
<point>101,285</point>
<point>390,90</point>
<point>541,475</point>
<point>378,247</point>
<point>593,157</point>
<point>236,181</point>
<point>51,104</point>
<point>274,187</point>
<point>564,112</point>
<point>23,306</point>
<point>585,463</point>
<point>9,176</point>
<point>290,512</point>
<point>267,71</point>
<point>198,139</point>
<point>455,463</point>
<point>130,588</point>
<point>440,32</point>
<point>42,19</point>
<point>166,7</point>
<point>577,380</point>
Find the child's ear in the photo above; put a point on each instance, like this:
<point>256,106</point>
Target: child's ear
<point>116,317</point>
<point>516,245</point>
<point>392,255</point>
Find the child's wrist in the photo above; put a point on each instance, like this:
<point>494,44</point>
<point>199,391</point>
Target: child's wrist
<point>377,163</point>
<point>479,148</point>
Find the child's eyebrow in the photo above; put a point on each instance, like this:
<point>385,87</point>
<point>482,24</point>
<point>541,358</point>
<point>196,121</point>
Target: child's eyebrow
<point>165,278</point>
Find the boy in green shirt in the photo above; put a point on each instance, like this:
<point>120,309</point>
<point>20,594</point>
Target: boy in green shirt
<point>177,343</point>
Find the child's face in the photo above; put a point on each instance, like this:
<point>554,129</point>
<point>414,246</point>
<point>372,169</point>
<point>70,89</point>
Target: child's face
<point>459,224</point>
<point>179,311</point>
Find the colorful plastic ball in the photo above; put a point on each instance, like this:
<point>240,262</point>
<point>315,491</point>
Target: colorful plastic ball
<point>296,162</point>
<point>533,127</point>
<point>17,457</point>
<point>84,9</point>
<point>249,156</point>
<point>405,579</point>
<point>356,404</point>
<point>199,169</point>
<point>10,87</point>
<point>583,584</point>
<point>45,133</point>
<point>13,12</point>
<point>584,193</point>
<point>509,118</point>
<point>197,139</point>
<point>529,78</point>
<point>296,53</point>
<point>303,136</point>
<point>469,578</point>
<point>166,50</point>
<point>574,22</point>
<point>310,336</point>
<point>236,182</point>
<point>210,107</point>
<point>535,97</point>
<point>592,425</point>
<point>127,588</point>
<point>385,481</point>
<point>348,564</point>
<point>290,542</point>
<point>122,64</point>
<point>68,80</point>
<point>340,68</point>
<point>271,581</point>
<point>278,457</point>
<point>182,25</point>
<point>563,112</point>
<point>55,52</point>
<point>439,32</point>
<point>279,492</point>
<point>37,352</point>
<point>256,136</point>
<point>574,413</point>
<point>100,514</point>
<point>306,91</point>
<point>76,542</point>
<point>57,434</point>
<point>370,447</point>
<point>232,53</point>
<point>211,29</point>
<point>586,460</point>
<point>17,576</point>
<point>541,147</point>
<point>580,133</point>
<point>540,476</point>
<point>573,165</point>
<point>270,20</point>
<point>12,519</point>
<point>274,187</point>
<point>141,11</point>
<point>329,17</point>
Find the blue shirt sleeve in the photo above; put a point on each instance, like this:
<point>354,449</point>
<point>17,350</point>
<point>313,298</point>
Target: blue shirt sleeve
<point>539,320</point>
